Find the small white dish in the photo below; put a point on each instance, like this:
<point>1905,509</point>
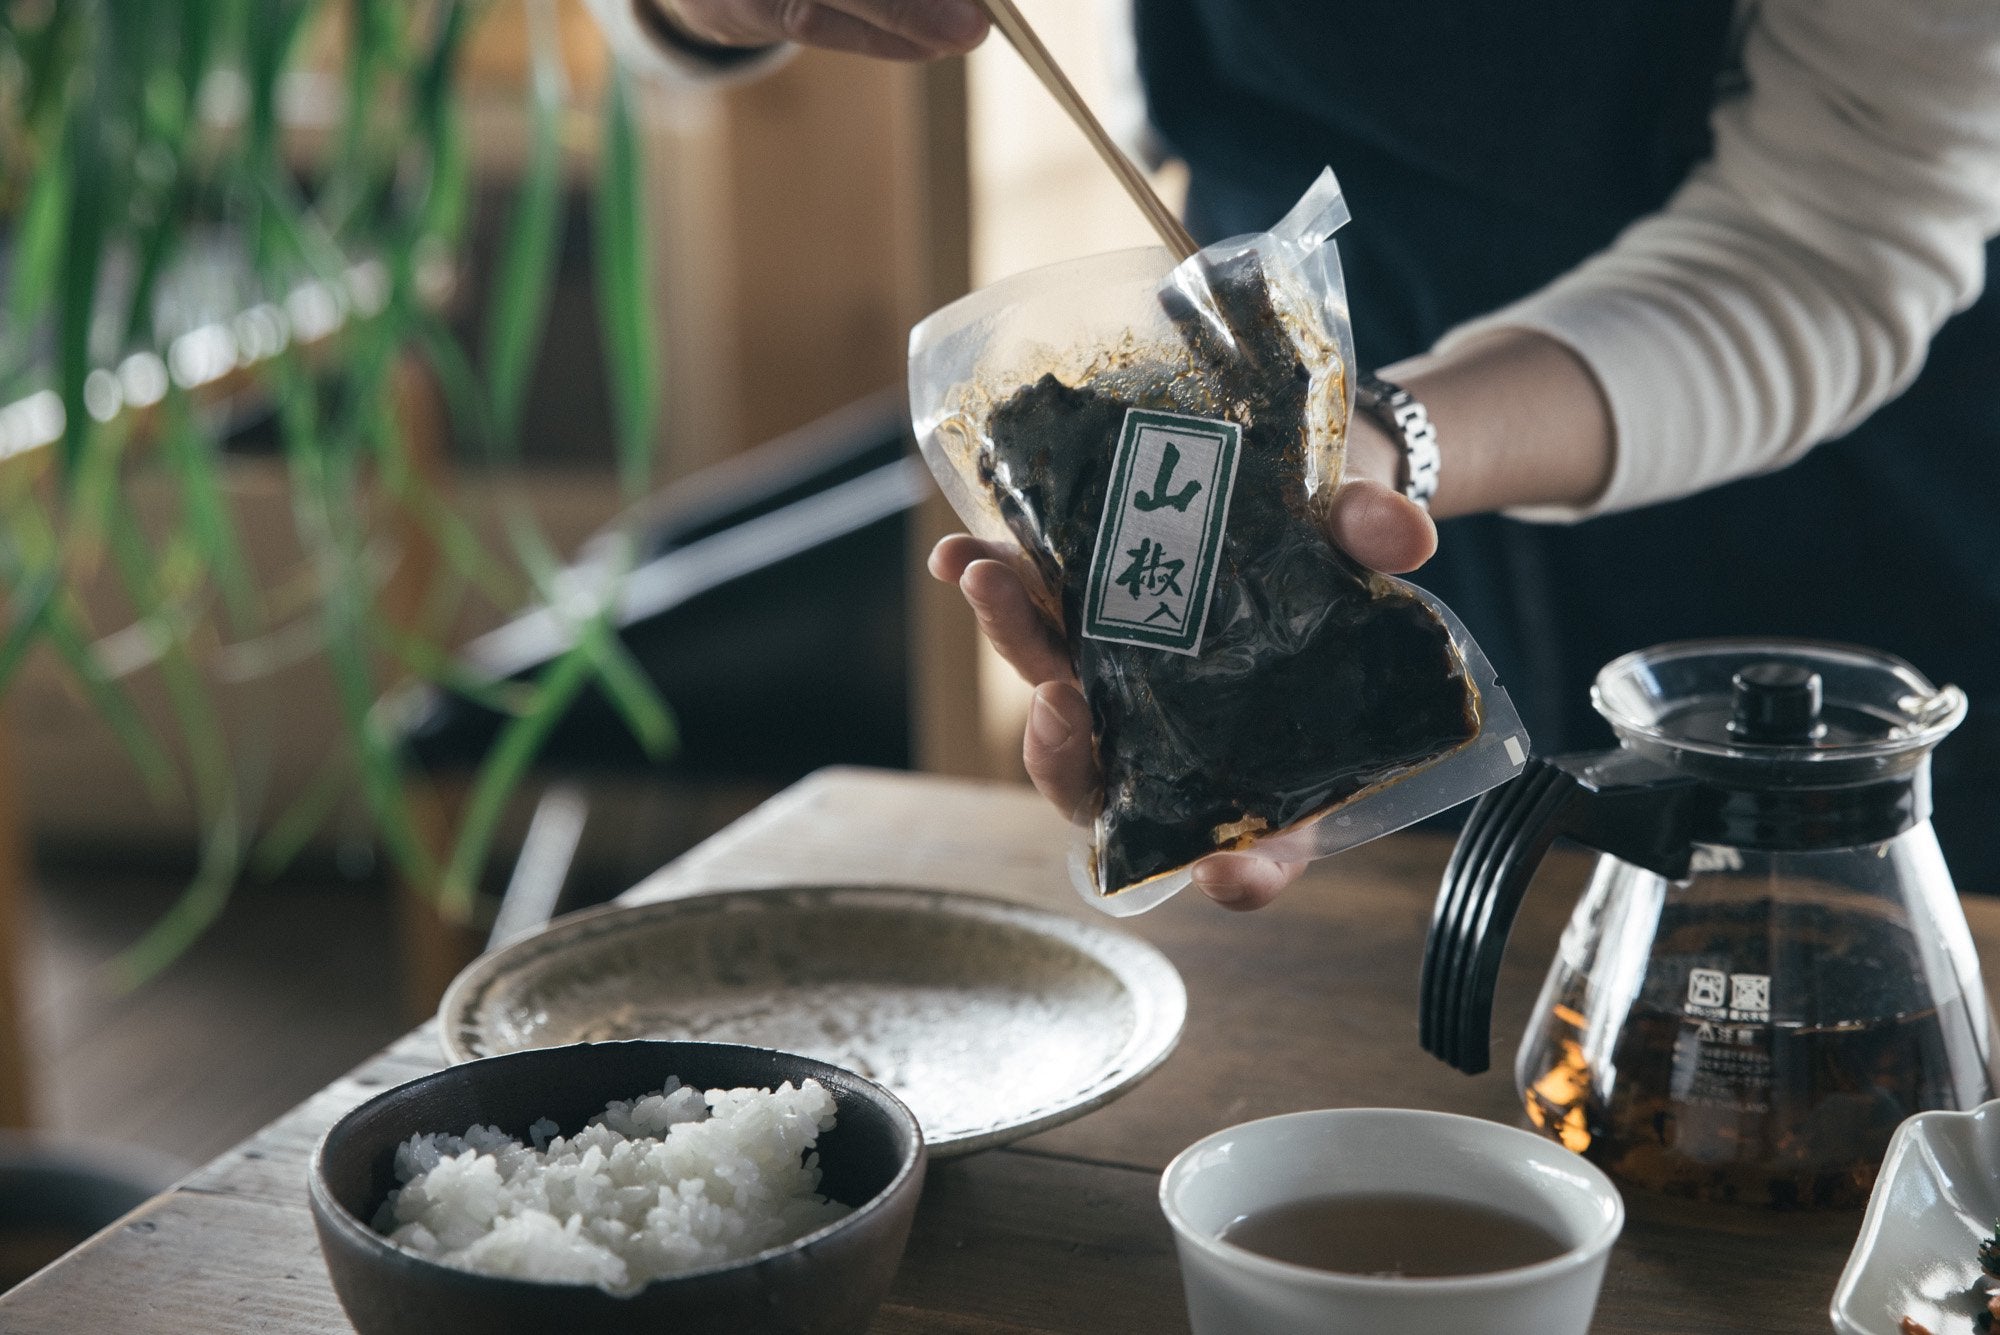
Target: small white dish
<point>1359,1151</point>
<point>1935,1200</point>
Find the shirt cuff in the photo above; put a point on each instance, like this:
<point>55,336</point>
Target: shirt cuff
<point>641,37</point>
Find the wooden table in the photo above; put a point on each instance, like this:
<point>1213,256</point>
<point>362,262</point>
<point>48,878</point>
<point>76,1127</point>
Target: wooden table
<point>1311,1003</point>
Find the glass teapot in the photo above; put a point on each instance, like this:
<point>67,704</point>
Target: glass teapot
<point>1769,969</point>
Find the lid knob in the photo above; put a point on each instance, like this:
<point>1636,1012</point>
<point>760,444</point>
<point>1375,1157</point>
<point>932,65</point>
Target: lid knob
<point>1776,703</point>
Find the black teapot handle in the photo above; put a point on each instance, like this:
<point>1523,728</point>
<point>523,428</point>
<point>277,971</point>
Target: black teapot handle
<point>1617,802</point>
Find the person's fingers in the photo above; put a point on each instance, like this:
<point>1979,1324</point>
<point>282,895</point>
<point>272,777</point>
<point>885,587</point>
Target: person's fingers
<point>1243,881</point>
<point>1007,615</point>
<point>939,27</point>
<point>832,29</point>
<point>1381,528</point>
<point>1009,618</point>
<point>1056,746</point>
<point>1056,749</point>
<point>955,551</point>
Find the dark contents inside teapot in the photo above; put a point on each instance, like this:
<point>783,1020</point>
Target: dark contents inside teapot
<point>1315,680</point>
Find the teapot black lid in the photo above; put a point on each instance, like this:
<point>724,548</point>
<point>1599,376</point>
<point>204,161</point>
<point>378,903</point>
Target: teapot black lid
<point>1775,712</point>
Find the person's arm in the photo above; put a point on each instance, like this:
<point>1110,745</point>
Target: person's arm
<point>1790,287</point>
<point>1787,289</point>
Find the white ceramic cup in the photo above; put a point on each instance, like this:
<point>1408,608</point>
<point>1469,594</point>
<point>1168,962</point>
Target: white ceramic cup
<point>1367,1151</point>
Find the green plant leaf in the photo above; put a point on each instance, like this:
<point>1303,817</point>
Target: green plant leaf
<point>198,906</point>
<point>313,471</point>
<point>463,393</point>
<point>379,762</point>
<point>76,293</point>
<point>520,297</point>
<point>427,660</point>
<point>531,548</point>
<point>197,465</point>
<point>630,691</point>
<point>287,836</point>
<point>447,188</point>
<point>167,624</point>
<point>367,41</point>
<point>291,239</point>
<point>93,487</point>
<point>44,608</point>
<point>500,773</point>
<point>201,21</point>
<point>624,292</point>
<point>464,551</point>
<point>29,600</point>
<point>38,244</point>
<point>268,36</point>
<point>66,635</point>
<point>529,545</point>
<point>155,252</point>
<point>50,54</point>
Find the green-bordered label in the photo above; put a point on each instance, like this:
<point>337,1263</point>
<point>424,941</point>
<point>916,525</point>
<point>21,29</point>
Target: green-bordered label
<point>1157,545</point>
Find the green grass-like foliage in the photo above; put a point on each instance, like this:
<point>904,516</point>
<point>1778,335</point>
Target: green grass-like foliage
<point>129,133</point>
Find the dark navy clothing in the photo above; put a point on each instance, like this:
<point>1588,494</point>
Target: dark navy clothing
<point>1486,149</point>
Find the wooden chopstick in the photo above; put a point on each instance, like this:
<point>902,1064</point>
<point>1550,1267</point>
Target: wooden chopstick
<point>1016,30</point>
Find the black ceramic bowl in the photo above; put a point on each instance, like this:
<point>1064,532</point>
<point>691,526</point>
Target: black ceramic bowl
<point>826,1283</point>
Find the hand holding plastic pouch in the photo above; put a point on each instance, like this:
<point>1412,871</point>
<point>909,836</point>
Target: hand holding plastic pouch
<point>1158,444</point>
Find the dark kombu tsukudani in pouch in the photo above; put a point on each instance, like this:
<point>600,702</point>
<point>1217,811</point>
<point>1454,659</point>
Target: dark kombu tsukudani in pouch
<point>1315,680</point>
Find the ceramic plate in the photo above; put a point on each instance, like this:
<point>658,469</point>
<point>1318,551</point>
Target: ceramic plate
<point>992,1020</point>
<point>1936,1198</point>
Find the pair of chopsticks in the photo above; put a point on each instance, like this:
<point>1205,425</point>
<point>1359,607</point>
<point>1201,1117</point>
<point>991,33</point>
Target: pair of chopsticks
<point>1016,30</point>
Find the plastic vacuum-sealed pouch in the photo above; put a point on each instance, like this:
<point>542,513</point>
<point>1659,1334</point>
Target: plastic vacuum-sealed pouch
<point>1156,443</point>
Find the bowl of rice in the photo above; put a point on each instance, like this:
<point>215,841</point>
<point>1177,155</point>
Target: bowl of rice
<point>620,1187</point>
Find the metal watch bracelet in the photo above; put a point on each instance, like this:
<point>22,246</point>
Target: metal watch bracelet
<point>1406,419</point>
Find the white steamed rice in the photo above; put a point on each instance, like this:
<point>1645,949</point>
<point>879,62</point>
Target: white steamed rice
<point>671,1181</point>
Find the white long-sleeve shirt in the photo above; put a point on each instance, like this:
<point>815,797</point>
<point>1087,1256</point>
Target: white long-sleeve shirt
<point>1794,281</point>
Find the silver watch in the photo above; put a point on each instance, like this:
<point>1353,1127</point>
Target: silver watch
<point>1405,419</point>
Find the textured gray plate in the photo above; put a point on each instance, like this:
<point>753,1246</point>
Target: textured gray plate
<point>992,1020</point>
<point>1934,1201</point>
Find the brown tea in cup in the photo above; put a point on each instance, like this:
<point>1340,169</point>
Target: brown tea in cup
<point>1395,1235</point>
